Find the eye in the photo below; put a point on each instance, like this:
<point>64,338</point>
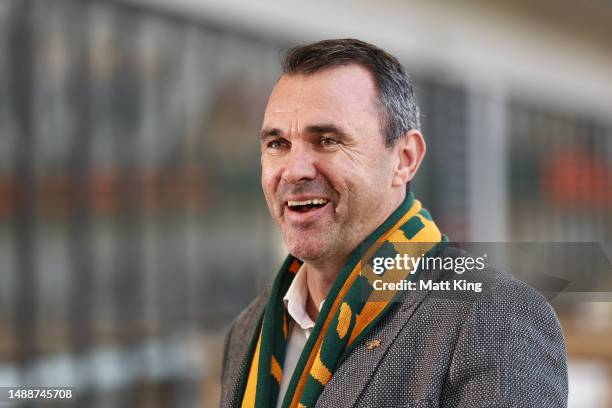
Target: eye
<point>328,142</point>
<point>277,144</point>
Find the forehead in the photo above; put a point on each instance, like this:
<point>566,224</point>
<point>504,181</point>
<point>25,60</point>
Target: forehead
<point>342,91</point>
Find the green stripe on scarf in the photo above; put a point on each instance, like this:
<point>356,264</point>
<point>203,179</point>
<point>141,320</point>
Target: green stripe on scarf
<point>351,309</point>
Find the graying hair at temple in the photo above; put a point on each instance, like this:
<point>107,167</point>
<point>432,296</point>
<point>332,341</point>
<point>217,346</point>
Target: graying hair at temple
<point>397,101</point>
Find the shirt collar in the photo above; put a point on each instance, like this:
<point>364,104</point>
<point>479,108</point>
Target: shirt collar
<point>295,300</point>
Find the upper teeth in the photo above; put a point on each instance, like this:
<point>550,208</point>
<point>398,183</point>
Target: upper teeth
<point>306,202</point>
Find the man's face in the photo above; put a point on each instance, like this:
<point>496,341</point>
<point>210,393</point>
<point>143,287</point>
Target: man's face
<point>326,172</point>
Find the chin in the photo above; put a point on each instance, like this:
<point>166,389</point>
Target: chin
<point>306,249</point>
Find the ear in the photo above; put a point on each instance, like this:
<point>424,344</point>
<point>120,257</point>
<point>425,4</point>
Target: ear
<point>410,150</point>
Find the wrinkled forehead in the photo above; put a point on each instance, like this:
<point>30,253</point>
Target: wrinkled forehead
<point>345,91</point>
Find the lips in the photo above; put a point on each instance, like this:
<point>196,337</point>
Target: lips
<point>306,205</point>
<point>303,210</point>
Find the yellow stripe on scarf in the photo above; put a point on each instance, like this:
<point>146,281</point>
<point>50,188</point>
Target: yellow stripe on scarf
<point>249,394</point>
<point>344,320</point>
<point>319,372</point>
<point>277,371</point>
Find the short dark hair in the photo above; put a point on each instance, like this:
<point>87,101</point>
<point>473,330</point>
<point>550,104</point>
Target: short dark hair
<point>397,101</point>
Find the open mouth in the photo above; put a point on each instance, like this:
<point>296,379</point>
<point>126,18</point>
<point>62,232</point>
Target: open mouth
<point>307,205</point>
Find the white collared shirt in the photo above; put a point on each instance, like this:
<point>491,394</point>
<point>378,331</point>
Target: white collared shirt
<point>300,327</point>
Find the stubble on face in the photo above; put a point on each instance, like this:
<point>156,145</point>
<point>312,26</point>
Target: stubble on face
<point>354,177</point>
<point>313,239</point>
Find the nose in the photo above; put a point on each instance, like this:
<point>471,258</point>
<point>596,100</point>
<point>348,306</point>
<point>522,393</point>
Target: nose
<point>300,165</point>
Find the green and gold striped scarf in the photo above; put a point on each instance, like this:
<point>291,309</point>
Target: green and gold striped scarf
<point>350,310</point>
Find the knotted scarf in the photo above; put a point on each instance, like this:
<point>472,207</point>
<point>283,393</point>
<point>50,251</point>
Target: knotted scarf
<point>352,307</point>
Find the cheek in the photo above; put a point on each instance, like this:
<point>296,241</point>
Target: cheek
<point>348,184</point>
<point>269,183</point>
<point>268,190</point>
<point>367,185</point>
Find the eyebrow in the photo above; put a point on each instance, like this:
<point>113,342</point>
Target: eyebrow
<point>326,128</point>
<point>312,129</point>
<point>269,132</point>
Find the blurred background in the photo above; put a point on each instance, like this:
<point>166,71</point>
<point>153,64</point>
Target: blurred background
<point>132,225</point>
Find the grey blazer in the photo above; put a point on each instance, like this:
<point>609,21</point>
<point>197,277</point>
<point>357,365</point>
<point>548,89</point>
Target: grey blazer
<point>502,347</point>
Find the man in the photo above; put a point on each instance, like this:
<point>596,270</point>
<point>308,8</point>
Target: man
<point>340,143</point>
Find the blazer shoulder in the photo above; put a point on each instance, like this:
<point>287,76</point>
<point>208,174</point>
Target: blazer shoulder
<point>509,338</point>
